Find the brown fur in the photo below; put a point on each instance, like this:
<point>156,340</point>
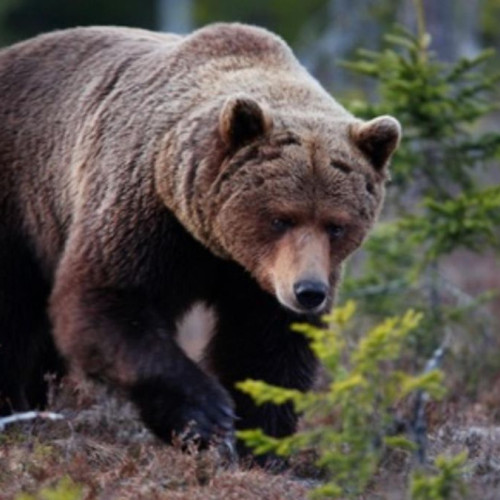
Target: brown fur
<point>111,136</point>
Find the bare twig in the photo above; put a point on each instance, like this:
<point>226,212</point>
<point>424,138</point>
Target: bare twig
<point>419,424</point>
<point>28,415</point>
<point>437,285</point>
<point>389,287</point>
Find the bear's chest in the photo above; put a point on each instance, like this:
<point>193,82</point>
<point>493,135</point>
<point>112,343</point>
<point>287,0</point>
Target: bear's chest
<point>194,330</point>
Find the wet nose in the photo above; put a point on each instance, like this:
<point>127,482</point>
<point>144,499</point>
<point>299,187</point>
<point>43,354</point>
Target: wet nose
<point>310,294</point>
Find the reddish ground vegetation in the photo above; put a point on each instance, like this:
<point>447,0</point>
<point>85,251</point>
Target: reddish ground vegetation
<point>105,450</point>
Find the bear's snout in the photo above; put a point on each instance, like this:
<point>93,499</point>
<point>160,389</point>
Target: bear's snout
<point>310,295</point>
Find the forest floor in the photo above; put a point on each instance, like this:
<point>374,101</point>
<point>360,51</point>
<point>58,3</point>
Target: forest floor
<point>101,451</point>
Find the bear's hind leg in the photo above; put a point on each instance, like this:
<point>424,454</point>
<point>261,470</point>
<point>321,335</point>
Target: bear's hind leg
<point>26,349</point>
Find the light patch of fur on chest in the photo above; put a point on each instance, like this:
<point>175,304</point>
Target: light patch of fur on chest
<point>195,329</point>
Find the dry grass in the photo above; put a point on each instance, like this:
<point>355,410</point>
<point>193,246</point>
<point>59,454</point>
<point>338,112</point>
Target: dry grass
<point>105,450</point>
<point>103,447</point>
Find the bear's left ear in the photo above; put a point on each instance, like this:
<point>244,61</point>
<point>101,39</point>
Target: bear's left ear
<point>377,138</point>
<point>243,119</point>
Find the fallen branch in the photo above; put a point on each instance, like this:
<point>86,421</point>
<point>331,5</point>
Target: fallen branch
<point>28,415</point>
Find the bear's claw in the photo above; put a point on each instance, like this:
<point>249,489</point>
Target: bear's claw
<point>203,412</point>
<point>206,424</point>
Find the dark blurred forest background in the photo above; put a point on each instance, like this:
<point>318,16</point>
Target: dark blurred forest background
<point>321,31</point>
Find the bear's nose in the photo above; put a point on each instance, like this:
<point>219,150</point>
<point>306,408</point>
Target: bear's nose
<point>310,294</point>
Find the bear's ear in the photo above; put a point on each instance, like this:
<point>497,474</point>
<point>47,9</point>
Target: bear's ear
<point>241,120</point>
<point>377,138</point>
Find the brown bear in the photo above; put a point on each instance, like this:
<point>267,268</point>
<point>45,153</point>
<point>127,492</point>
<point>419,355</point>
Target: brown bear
<point>142,173</point>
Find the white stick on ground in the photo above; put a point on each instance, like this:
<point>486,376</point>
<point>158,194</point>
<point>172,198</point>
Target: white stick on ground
<point>28,415</point>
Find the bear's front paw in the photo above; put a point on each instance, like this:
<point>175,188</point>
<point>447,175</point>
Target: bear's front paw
<point>201,411</point>
<point>204,421</point>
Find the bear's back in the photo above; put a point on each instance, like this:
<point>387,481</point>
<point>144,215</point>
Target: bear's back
<point>84,110</point>
<point>54,85</point>
<point>54,93</point>
<point>221,60</point>
<point>234,41</point>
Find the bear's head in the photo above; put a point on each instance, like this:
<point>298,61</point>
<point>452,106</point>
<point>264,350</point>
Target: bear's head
<point>298,194</point>
<point>287,194</point>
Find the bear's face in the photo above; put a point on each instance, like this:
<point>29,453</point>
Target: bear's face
<point>295,198</point>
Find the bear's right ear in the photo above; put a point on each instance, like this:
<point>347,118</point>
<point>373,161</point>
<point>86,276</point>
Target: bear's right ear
<point>377,138</point>
<point>241,120</point>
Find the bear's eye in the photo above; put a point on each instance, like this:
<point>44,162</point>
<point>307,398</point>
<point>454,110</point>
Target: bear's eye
<point>370,187</point>
<point>282,224</point>
<point>340,165</point>
<point>335,231</point>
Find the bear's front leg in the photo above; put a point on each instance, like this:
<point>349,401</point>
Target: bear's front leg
<point>118,333</point>
<point>254,341</point>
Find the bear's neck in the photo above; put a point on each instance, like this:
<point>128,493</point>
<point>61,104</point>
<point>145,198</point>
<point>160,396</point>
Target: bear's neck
<point>186,169</point>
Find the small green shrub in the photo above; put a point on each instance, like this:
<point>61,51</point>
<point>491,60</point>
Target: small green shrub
<point>441,198</point>
<point>353,418</point>
<point>445,483</point>
<point>64,489</point>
